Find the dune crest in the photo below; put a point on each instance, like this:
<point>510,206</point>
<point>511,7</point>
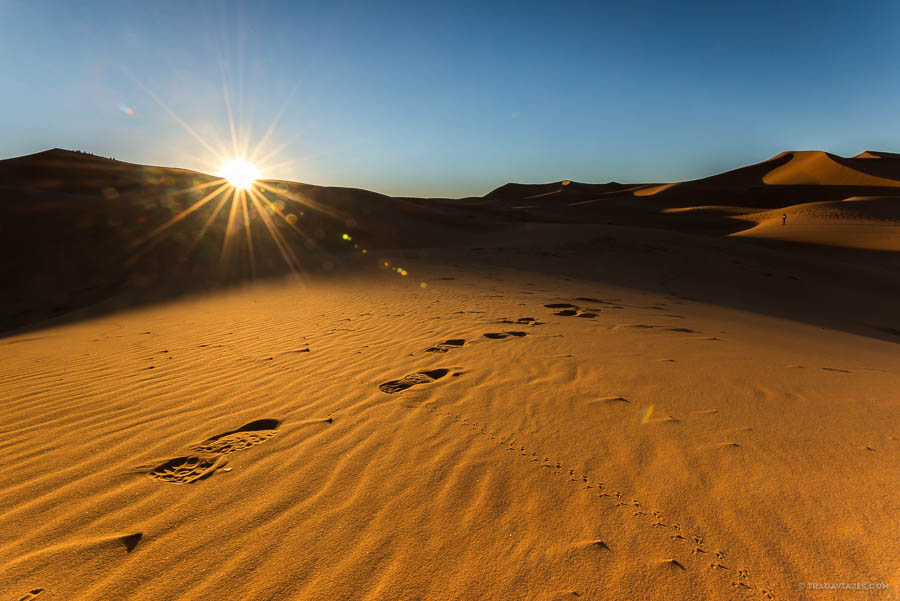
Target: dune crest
<point>817,168</point>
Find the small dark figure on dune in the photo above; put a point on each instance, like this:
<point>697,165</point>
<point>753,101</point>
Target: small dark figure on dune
<point>783,218</point>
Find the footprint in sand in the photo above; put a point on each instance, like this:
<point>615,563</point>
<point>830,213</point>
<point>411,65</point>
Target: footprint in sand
<point>522,321</point>
<point>672,564</point>
<point>502,335</point>
<point>422,377</point>
<point>530,321</point>
<point>610,400</point>
<point>191,468</point>
<point>187,469</point>
<point>570,310</point>
<point>246,436</point>
<point>446,345</point>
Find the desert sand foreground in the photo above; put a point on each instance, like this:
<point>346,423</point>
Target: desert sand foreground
<point>609,406</point>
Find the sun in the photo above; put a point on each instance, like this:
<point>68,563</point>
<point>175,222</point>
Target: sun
<point>239,172</point>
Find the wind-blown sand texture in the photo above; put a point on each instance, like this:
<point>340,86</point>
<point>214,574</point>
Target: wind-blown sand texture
<point>601,396</point>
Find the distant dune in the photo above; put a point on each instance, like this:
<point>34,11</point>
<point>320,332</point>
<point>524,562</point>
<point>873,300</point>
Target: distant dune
<point>77,222</point>
<point>816,168</point>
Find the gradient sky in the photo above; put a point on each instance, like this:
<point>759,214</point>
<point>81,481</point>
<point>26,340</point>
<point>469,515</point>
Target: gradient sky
<point>452,98</point>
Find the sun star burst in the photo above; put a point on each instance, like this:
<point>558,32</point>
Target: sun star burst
<point>239,172</point>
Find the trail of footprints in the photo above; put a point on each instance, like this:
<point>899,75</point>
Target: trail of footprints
<point>455,343</point>
<point>739,578</point>
<point>210,458</point>
<point>570,310</point>
<point>447,345</point>
<point>191,468</point>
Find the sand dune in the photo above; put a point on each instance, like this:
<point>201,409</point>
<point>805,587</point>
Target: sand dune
<point>786,179</point>
<point>817,168</point>
<point>601,396</point>
<point>870,222</point>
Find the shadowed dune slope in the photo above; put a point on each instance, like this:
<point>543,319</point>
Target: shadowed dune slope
<point>84,229</point>
<point>96,235</point>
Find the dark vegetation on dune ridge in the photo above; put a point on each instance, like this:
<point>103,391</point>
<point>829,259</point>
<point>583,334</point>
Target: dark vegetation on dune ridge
<point>75,228</point>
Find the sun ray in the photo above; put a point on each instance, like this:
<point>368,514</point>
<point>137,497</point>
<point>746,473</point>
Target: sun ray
<point>240,187</point>
<point>199,236</point>
<point>299,133</point>
<point>229,229</point>
<point>242,44</point>
<point>178,119</point>
<point>249,235</point>
<point>181,215</point>
<point>272,167</point>
<point>265,138</point>
<point>286,163</point>
<point>285,250</point>
<point>281,214</point>
<point>307,202</point>
<point>195,188</point>
<point>276,236</point>
<point>234,140</point>
<point>264,160</point>
<point>323,152</point>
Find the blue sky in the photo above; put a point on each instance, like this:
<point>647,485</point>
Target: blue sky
<point>452,99</point>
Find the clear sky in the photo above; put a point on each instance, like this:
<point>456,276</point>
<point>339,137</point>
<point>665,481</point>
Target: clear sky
<point>452,98</point>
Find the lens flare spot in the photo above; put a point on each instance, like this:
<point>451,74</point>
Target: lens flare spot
<point>423,285</point>
<point>239,172</point>
<point>647,414</point>
<point>346,237</point>
<point>291,218</point>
